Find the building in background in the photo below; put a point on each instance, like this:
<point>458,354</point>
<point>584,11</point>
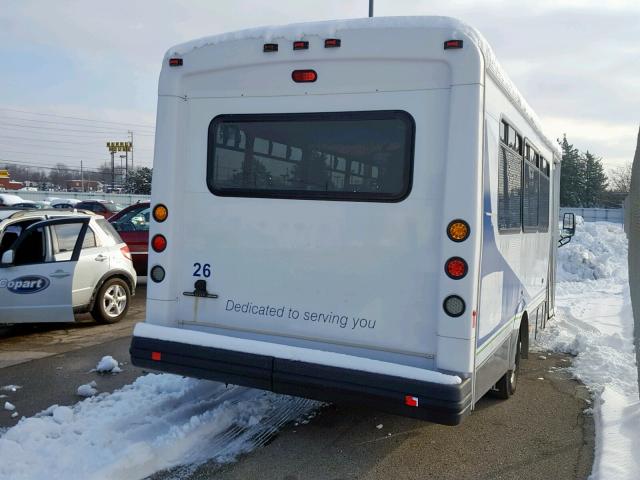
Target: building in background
<point>6,183</point>
<point>84,186</point>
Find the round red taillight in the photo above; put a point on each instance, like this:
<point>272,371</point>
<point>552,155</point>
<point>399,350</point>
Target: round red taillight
<point>456,268</point>
<point>158,243</point>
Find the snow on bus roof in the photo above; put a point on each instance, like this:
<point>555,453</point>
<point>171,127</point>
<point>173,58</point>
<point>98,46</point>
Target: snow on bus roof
<point>330,29</point>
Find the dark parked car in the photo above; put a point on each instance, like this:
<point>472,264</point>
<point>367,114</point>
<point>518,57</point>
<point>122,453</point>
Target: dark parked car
<point>132,224</point>
<point>106,208</point>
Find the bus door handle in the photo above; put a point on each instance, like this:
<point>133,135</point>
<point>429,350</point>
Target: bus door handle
<point>60,274</point>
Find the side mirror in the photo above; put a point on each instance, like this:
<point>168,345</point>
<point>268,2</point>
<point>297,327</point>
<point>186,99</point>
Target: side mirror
<point>568,229</point>
<point>7,257</point>
<point>568,224</point>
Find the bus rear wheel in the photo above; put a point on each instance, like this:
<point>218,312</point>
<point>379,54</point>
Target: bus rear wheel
<point>506,386</point>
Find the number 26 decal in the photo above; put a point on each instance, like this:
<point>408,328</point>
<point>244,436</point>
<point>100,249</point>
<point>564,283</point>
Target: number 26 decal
<point>202,270</point>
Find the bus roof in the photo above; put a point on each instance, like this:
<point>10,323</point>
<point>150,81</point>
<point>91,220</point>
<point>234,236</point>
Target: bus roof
<point>331,29</point>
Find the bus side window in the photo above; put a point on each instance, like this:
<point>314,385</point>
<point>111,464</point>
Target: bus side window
<point>509,190</point>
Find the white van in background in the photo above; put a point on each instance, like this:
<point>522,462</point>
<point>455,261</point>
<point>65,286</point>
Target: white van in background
<point>350,211</point>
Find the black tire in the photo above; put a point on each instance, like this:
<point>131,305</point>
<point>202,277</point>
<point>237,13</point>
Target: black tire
<point>506,386</point>
<point>112,301</point>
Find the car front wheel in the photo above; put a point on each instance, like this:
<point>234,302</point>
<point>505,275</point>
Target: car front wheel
<point>112,301</point>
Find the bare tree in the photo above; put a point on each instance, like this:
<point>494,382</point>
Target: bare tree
<point>620,178</point>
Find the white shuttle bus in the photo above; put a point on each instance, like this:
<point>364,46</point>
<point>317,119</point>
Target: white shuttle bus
<point>353,211</point>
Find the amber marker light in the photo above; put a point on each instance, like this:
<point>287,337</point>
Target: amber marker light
<point>160,213</point>
<point>458,230</point>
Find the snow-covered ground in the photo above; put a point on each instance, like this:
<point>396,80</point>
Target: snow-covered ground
<point>594,321</point>
<point>158,422</point>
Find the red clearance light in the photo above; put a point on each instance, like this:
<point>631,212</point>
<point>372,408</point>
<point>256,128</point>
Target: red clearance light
<point>411,401</point>
<point>452,44</point>
<point>300,45</point>
<point>304,76</point>
<point>175,62</point>
<point>456,268</point>
<point>157,356</point>
<point>159,243</point>
<point>332,43</point>
<point>270,47</point>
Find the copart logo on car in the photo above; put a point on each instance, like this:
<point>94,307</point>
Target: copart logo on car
<point>26,284</point>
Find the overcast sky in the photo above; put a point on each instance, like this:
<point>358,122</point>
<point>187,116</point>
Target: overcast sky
<point>576,62</point>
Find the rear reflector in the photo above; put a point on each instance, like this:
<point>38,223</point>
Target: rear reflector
<point>175,62</point>
<point>270,47</point>
<point>300,45</point>
<point>156,356</point>
<point>452,44</point>
<point>411,401</point>
<point>332,43</point>
<point>304,76</point>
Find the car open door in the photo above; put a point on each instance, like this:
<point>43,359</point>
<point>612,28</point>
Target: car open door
<point>34,286</point>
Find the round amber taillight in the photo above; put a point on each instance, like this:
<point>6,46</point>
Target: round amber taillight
<point>160,213</point>
<point>458,230</point>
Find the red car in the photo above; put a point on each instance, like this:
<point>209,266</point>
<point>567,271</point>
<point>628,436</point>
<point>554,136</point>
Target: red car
<point>106,208</point>
<point>132,223</point>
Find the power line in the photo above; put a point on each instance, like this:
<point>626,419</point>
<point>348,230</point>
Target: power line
<point>15,125</point>
<point>46,140</point>
<point>148,125</point>
<point>48,147</point>
<point>38,121</point>
<point>84,135</point>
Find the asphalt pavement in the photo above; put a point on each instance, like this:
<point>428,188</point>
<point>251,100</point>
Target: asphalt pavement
<point>50,361</point>
<point>541,433</point>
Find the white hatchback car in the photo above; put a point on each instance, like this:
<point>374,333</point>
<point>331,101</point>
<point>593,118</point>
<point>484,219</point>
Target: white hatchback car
<point>55,264</point>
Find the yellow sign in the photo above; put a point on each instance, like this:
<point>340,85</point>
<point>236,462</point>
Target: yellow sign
<point>119,146</point>
<point>4,173</point>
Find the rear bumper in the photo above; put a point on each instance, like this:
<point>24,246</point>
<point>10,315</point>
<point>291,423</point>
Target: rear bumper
<point>439,403</point>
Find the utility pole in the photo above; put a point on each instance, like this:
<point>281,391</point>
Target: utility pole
<point>81,176</point>
<point>131,135</point>
<point>122,172</point>
<point>370,8</point>
<point>113,169</point>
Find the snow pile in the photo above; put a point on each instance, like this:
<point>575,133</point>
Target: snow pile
<point>598,251</point>
<point>158,422</point>
<point>594,321</point>
<point>108,364</point>
<point>10,388</point>
<point>9,406</point>
<point>87,390</point>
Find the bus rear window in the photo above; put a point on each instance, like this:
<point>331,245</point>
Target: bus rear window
<point>359,156</point>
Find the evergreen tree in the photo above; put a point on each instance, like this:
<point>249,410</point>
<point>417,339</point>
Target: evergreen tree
<point>139,181</point>
<point>572,181</point>
<point>595,180</point>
